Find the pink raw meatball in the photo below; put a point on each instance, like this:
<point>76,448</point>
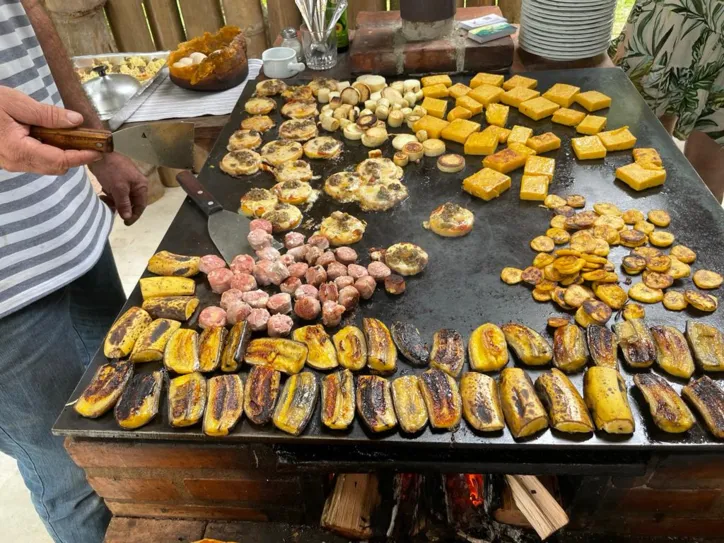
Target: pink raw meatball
<point>316,276</point>
<point>212,316</point>
<point>306,291</point>
<point>242,264</point>
<point>298,269</point>
<point>259,239</point>
<point>262,272</point>
<point>279,303</point>
<point>290,285</point>
<point>307,308</point>
<point>231,296</point>
<point>356,271</point>
<point>256,298</point>
<point>287,259</point>
<point>379,271</point>
<point>220,279</point>
<point>328,291</point>
<point>237,312</point>
<point>293,239</point>
<point>261,224</point>
<point>278,273</point>
<point>209,263</point>
<point>344,281</point>
<point>326,259</point>
<point>318,241</point>
<point>335,269</point>
<point>312,254</point>
<point>332,313</point>
<point>298,253</point>
<point>279,325</point>
<point>258,319</point>
<point>365,286</point>
<point>349,297</point>
<point>243,282</point>
<point>346,255</point>
<point>268,253</point>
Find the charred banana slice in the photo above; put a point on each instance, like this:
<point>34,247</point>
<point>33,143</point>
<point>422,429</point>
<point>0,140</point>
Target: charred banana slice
<point>224,404</point>
<point>566,410</point>
<point>280,151</point>
<point>524,413</point>
<point>406,258</point>
<point>342,228</point>
<point>280,354</point>
<point>668,410</point>
<point>235,348</point>
<point>165,263</point>
<point>181,354</point>
<point>260,393</point>
<point>241,162</point>
<point>159,287</point>
<point>605,393</point>
<point>343,186</point>
<point>323,147</point>
<point>569,348</point>
<point>707,343</point>
<point>298,129</point>
<point>140,401</point>
<point>448,351</point>
<point>487,348</point>
<point>374,403</point>
<point>351,348</point>
<point>211,346</point>
<point>672,352</point>
<point>296,403</point>
<point>409,403</point>
<point>530,347</point>
<point>125,331</point>
<point>105,388</point>
<point>409,342</point>
<point>636,343</point>
<point>244,139</point>
<point>151,343</point>
<point>381,351</point>
<point>442,398</point>
<point>708,398</point>
<point>338,400</point>
<point>481,402</point>
<point>450,220</point>
<point>186,399</point>
<point>321,354</point>
<point>603,346</point>
<point>178,308</point>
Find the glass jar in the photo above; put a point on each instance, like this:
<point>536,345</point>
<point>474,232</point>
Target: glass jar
<point>289,39</point>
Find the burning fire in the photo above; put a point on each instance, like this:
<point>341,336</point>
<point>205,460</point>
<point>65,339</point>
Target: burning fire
<point>475,488</point>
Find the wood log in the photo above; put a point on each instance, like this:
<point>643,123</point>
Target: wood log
<point>538,505</point>
<point>128,22</point>
<point>201,16</point>
<point>348,510</point>
<point>355,6</point>
<point>249,17</point>
<point>281,14</point>
<point>510,9</point>
<point>165,21</point>
<point>81,26</point>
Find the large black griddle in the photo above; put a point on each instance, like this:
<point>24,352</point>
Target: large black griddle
<point>461,287</point>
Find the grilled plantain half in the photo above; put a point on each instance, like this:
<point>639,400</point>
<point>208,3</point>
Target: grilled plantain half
<point>296,403</point>
<point>351,348</point>
<point>524,412</point>
<point>374,403</point>
<point>338,400</point>
<point>182,351</point>
<point>284,355</point>
<point>708,398</point>
<point>178,308</point>
<point>531,348</point>
<point>409,342</point>
<point>566,409</point>
<point>211,346</point>
<point>487,348</point>
<point>159,287</point>
<point>605,393</point>
<point>123,334</point>
<point>166,263</point>
<point>381,351</point>
<point>672,352</point>
<point>186,399</point>
<point>139,403</point>
<point>569,348</point>
<point>321,354</point>
<point>235,347</point>
<point>151,344</point>
<point>481,402</point>
<point>224,404</point>
<point>442,399</point>
<point>602,346</point>
<point>105,388</point>
<point>260,393</point>
<point>409,403</point>
<point>707,343</point>
<point>668,410</point>
<point>448,351</point>
<point>636,343</point>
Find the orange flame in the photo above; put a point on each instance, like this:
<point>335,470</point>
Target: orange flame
<point>475,488</point>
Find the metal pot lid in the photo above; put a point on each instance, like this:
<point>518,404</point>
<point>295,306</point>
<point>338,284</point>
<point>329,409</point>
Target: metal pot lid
<point>110,92</point>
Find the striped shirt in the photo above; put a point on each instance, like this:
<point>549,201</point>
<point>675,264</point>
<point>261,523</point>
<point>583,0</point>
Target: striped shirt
<point>52,228</point>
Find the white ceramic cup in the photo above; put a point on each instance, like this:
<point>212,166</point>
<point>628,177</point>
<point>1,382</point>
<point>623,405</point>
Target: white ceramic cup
<point>281,62</point>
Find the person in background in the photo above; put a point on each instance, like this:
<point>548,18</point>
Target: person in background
<point>59,287</point>
<point>673,52</point>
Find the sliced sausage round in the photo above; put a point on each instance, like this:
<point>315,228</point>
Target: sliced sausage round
<point>262,272</point>
<point>243,282</point>
<point>298,253</point>
<point>237,312</point>
<point>220,279</point>
<point>287,259</point>
<point>259,239</point>
<point>256,298</point>
<point>242,264</point>
<point>290,285</point>
<point>279,325</point>
<point>379,270</point>
<point>307,308</point>
<point>298,269</point>
<point>349,297</point>
<point>268,253</point>
<point>344,281</point>
<point>278,273</point>
<point>279,303</point>
<point>315,276</point>
<point>261,224</point>
<point>395,284</point>
<point>346,255</point>
<point>318,240</point>
<point>357,271</point>
<point>335,269</point>
<point>306,291</point>
<point>231,296</point>
<point>293,239</point>
<point>332,313</point>
<point>326,258</point>
<point>328,291</point>
<point>258,319</point>
<point>212,316</point>
<point>209,263</point>
<point>312,254</point>
<point>365,286</point>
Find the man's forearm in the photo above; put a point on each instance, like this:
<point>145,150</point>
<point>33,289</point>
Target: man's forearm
<point>69,86</point>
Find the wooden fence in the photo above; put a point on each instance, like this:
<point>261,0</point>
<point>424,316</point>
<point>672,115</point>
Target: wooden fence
<point>103,26</point>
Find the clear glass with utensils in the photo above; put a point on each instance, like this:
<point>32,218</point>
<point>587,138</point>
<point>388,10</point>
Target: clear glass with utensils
<point>320,55</point>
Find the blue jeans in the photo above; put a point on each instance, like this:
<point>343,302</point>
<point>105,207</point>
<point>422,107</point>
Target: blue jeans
<point>46,346</point>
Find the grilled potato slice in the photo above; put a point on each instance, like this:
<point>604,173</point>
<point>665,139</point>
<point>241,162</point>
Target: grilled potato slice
<point>260,393</point>
<point>374,403</point>
<point>351,348</point>
<point>342,228</point>
<point>281,354</point>
<point>381,351</point>
<point>160,287</point>
<point>296,403</point>
<point>165,263</point>
<point>707,343</point>
<point>181,354</point>
<point>487,349</point>
<point>409,403</point>
<point>150,345</point>
<point>140,401</point>
<point>605,393</point>
<point>481,402</point>
<point>668,410</point>
<point>603,346</point>
<point>636,343</point>
<point>123,334</point>
<point>237,343</point>
<point>211,346</point>
<point>338,400</point>
<point>178,308</point>
<point>321,354</point>
<point>104,389</point>
<point>569,348</point>
<point>708,398</point>
<point>530,347</point>
<point>442,398</point>
<point>448,351</point>
<point>524,413</point>
<point>566,410</point>
<point>672,352</point>
<point>186,399</point>
<point>224,404</point>
<point>410,343</point>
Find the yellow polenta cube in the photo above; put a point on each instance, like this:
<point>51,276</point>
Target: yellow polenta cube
<point>568,117</point>
<point>538,108</point>
<point>459,113</point>
<point>593,100</point>
<point>543,143</point>
<point>540,165</point>
<point>481,143</point>
<point>647,158</point>
<point>486,184</point>
<point>639,178</point>
<point>435,107</point>
<point>432,125</point>
<point>431,80</point>
<point>458,90</point>
<point>520,134</point>
<point>617,140</point>
<point>487,79</point>
<point>486,94</point>
<point>497,114</point>
<point>591,125</point>
<point>517,95</point>
<point>459,130</point>
<point>474,106</point>
<point>521,149</point>
<point>520,81</point>
<point>533,187</point>
<point>562,94</point>
<point>499,131</point>
<point>435,91</point>
<point>505,161</point>
<point>588,148</point>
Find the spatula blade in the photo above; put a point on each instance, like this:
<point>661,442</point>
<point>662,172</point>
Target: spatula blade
<point>169,144</point>
<point>228,231</point>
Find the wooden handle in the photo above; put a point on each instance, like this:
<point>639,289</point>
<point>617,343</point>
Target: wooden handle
<point>89,139</point>
<point>203,199</point>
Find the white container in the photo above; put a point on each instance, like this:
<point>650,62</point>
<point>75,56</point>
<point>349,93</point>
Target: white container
<point>281,63</point>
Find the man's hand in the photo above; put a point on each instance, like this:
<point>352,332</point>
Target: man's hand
<point>21,153</point>
<point>125,187</point>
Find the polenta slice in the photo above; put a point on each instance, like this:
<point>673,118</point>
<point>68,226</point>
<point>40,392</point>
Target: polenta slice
<point>459,130</point>
<point>497,114</point>
<point>538,108</point>
<point>534,187</point>
<point>638,177</point>
<point>467,102</point>
<point>431,80</point>
<point>568,117</point>
<point>501,132</point>
<point>482,143</point>
<point>540,165</point>
<point>520,81</point>
<point>588,148</point>
<point>618,139</point>
<point>459,113</point>
<point>457,90</point>
<point>591,125</point>
<point>435,107</point>
<point>517,95</point>
<point>486,94</point>
<point>521,149</point>
<point>562,94</point>
<point>505,161</point>
<point>435,91</point>
<point>648,158</point>
<point>483,78</point>
<point>486,184</point>
<point>593,100</point>
<point>542,143</point>
<point>520,134</point>
<point>432,125</point>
